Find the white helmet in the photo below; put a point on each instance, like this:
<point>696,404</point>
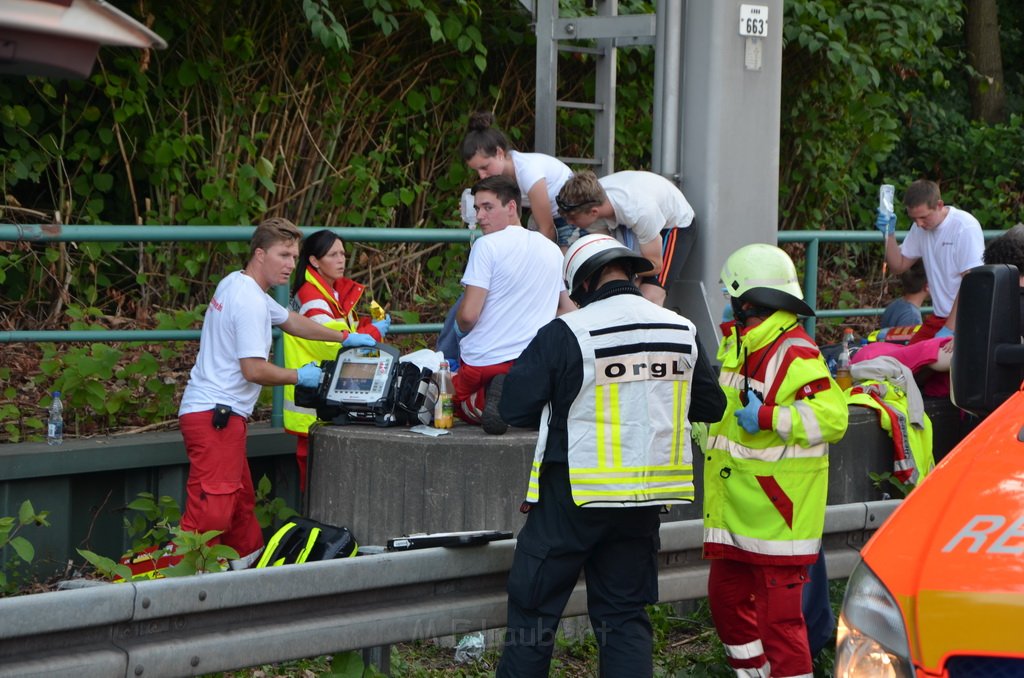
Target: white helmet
<point>764,275</point>
<point>592,252</point>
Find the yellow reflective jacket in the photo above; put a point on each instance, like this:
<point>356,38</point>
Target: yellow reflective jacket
<point>315,300</point>
<point>765,493</point>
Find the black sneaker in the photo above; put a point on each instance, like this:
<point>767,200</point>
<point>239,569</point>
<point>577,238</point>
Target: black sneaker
<point>490,420</point>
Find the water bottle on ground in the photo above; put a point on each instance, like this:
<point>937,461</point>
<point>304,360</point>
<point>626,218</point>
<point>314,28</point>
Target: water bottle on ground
<point>55,424</point>
<point>444,409</point>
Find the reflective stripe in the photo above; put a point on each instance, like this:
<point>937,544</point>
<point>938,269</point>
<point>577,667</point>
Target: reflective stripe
<point>290,406</point>
<point>601,423</point>
<point>679,393</point>
<point>795,547</point>
<point>812,429</point>
<point>317,304</point>
<point>736,381</point>
<point>784,423</point>
<point>771,453</point>
<point>775,363</point>
<point>616,450</point>
<point>746,651</point>
<point>533,488</point>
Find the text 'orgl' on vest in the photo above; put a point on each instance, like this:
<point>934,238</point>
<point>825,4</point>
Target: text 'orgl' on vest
<point>765,492</point>
<point>628,434</point>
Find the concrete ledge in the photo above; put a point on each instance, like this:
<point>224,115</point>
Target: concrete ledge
<point>389,482</point>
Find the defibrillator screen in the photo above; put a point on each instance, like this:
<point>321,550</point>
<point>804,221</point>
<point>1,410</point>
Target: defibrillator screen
<point>360,376</point>
<point>356,376</point>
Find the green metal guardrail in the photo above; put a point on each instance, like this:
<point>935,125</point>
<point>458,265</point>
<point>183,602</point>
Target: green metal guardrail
<point>47,233</point>
<point>50,233</point>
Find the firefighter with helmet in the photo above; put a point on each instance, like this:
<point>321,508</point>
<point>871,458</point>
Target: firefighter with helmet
<point>612,387</point>
<point>766,467</point>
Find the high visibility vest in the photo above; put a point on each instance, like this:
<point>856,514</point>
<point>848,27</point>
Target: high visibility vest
<point>912,446</point>
<point>299,352</point>
<point>628,434</point>
<point>765,492</point>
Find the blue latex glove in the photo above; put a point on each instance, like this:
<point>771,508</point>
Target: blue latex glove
<point>383,325</point>
<point>459,334</point>
<point>748,415</point>
<point>944,332</point>
<point>886,223</point>
<point>882,334</point>
<point>357,340</point>
<point>309,375</point>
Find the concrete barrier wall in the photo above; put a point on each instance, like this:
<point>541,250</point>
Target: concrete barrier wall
<point>384,483</point>
<point>381,483</point>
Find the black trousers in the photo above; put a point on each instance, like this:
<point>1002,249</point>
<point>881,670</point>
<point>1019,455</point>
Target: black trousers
<point>616,548</point>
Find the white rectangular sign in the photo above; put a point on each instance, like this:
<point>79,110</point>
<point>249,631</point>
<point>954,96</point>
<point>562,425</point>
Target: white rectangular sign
<point>754,20</point>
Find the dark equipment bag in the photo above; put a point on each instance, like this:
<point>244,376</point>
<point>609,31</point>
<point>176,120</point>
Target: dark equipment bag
<point>302,540</point>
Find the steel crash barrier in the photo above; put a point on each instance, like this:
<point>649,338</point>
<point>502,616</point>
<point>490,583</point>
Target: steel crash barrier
<point>202,624</point>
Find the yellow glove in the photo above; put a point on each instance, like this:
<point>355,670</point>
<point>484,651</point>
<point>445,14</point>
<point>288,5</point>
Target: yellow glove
<point>376,311</point>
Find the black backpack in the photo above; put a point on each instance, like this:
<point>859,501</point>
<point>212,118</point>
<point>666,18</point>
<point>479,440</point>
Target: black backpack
<point>303,540</point>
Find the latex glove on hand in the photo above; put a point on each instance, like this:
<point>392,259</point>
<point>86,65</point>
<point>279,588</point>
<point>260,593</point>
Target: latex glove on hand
<point>357,340</point>
<point>944,332</point>
<point>748,415</point>
<point>886,223</point>
<point>309,376</point>
<point>383,325</point>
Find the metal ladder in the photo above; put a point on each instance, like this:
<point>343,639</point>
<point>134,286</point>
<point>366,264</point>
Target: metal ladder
<point>606,32</point>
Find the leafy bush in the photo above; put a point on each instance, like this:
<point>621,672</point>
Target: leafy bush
<point>22,550</point>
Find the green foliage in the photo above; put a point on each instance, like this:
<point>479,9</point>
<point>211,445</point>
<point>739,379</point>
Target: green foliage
<point>884,479</point>
<point>853,73</point>
<point>107,567</point>
<point>22,550</point>
<point>350,665</point>
<point>152,521</point>
<point>198,556</point>
<point>270,510</point>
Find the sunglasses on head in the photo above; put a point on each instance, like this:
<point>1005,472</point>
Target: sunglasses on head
<point>566,207</point>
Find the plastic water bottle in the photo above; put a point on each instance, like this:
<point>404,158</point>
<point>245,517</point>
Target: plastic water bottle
<point>843,376</point>
<point>886,199</point>
<point>55,424</point>
<point>444,408</point>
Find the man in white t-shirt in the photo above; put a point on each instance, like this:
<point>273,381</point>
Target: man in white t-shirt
<point>644,211</point>
<point>513,287</point>
<point>231,368</point>
<point>950,242</point>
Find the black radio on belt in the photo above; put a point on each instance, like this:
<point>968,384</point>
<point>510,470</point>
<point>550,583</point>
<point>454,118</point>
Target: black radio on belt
<point>366,385</point>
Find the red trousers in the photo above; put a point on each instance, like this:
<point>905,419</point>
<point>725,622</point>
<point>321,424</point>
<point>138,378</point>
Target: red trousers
<point>219,491</point>
<point>302,459</point>
<point>757,613</point>
<point>929,328</point>
<point>470,383</point>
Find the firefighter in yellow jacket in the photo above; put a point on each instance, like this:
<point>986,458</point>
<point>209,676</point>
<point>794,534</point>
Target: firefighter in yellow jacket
<point>766,467</point>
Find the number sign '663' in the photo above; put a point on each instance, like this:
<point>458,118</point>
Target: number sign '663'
<point>754,20</point>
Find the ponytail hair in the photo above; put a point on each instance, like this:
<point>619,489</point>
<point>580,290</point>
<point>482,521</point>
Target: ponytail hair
<point>482,137</point>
